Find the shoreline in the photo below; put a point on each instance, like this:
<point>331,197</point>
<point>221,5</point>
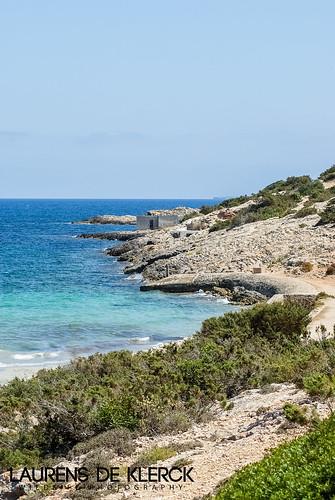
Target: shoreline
<point>275,287</point>
<point>143,250</point>
<point>133,345</point>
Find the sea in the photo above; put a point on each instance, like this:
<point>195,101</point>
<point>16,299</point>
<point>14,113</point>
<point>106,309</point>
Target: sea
<point>61,297</point>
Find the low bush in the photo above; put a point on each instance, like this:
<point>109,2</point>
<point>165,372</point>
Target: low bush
<point>305,211</point>
<point>234,202</point>
<point>294,413</point>
<point>208,209</point>
<point>329,174</point>
<point>120,441</point>
<point>191,215</point>
<point>302,469</point>
<point>154,455</point>
<point>330,269</point>
<point>319,384</point>
<point>18,457</point>
<point>328,215</point>
<point>182,462</point>
<point>219,225</point>
<point>306,267</point>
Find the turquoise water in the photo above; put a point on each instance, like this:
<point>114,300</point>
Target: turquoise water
<point>61,297</point>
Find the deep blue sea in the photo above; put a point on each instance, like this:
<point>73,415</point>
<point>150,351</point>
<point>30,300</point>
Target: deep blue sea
<point>61,297</point>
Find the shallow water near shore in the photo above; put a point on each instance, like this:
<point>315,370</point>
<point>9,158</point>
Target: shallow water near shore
<point>61,297</point>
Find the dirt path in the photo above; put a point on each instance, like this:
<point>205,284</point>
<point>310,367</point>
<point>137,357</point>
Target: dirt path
<point>324,315</point>
<point>232,439</point>
<point>219,448</point>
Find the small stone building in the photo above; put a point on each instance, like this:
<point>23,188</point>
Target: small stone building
<point>156,221</point>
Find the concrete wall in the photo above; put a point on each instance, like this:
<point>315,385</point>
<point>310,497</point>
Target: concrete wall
<point>147,221</point>
<point>167,220</point>
<point>156,221</point>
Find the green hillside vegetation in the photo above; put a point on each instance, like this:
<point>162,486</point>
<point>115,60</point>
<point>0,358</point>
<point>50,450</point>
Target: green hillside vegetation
<point>305,211</point>
<point>328,215</point>
<point>160,390</point>
<point>277,200</point>
<point>329,174</point>
<point>302,469</point>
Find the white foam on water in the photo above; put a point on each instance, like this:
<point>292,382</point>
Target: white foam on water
<point>41,364</point>
<point>223,301</point>
<point>34,355</point>
<point>134,277</point>
<point>139,340</point>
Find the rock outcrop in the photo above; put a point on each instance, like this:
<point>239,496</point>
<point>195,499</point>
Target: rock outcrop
<point>290,245</point>
<point>115,235</point>
<point>117,220</point>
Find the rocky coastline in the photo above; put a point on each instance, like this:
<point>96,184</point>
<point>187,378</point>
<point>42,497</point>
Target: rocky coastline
<point>117,220</point>
<point>224,262</point>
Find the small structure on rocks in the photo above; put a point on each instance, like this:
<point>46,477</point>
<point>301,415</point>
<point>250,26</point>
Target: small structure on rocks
<point>257,270</point>
<point>156,221</point>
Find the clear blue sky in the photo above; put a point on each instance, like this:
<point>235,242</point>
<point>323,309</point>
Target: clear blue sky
<point>176,98</point>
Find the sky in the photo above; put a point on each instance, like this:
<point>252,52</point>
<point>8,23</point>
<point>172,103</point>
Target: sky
<point>163,99</point>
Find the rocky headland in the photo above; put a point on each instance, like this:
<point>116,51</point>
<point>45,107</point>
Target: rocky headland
<point>236,249</point>
<point>284,244</point>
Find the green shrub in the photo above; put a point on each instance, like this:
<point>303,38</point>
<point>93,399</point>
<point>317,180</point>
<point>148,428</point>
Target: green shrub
<point>219,225</point>
<point>305,211</point>
<point>302,469</point>
<point>117,413</point>
<point>15,458</point>
<point>319,384</point>
<point>182,462</point>
<point>328,215</point>
<point>208,209</point>
<point>294,413</point>
<point>234,202</point>
<point>328,174</point>
<point>292,183</point>
<point>118,440</point>
<point>191,215</point>
<point>154,455</point>
<point>306,267</point>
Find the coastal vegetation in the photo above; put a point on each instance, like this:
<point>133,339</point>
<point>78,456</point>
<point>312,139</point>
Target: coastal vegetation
<point>114,397</point>
<point>278,200</point>
<point>305,211</point>
<point>329,174</point>
<point>303,468</point>
<point>328,215</point>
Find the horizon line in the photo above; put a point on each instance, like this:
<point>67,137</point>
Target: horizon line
<point>68,198</point>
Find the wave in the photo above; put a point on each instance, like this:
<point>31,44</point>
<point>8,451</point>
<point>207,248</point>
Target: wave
<point>139,340</point>
<point>34,355</point>
<point>41,364</point>
<point>134,277</point>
